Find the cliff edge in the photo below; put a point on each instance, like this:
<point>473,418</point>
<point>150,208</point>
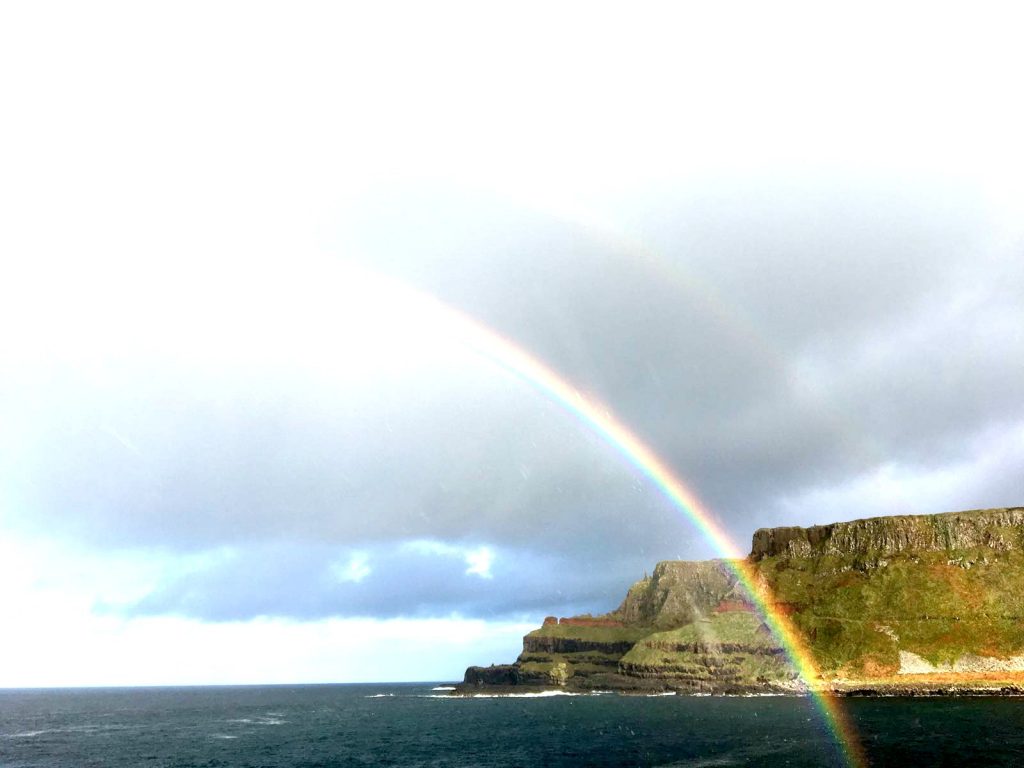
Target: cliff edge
<point>916,603</point>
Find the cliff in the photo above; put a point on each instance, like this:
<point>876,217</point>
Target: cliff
<point>1000,530</point>
<point>678,593</point>
<point>933,601</point>
<point>913,595</point>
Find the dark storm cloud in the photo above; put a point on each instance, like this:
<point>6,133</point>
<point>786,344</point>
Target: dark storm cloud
<point>770,341</point>
<point>206,462</point>
<point>418,579</point>
<point>768,334</point>
<point>288,477</point>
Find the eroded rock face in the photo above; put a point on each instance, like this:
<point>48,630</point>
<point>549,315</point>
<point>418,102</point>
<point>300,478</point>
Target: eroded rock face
<point>996,529</point>
<point>679,592</point>
<point>553,644</point>
<point>496,674</point>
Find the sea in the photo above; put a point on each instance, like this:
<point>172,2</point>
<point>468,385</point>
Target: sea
<point>420,724</point>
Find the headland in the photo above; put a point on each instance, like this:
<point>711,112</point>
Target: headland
<point>913,605</point>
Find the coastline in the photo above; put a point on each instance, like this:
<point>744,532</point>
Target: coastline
<point>948,685</point>
<point>931,685</point>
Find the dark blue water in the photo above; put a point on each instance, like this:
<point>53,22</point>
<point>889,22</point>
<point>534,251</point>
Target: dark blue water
<point>410,725</point>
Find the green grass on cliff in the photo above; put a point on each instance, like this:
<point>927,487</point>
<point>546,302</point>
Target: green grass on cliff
<point>571,666</point>
<point>583,657</point>
<point>558,668</point>
<point>735,627</point>
<point>858,613</point>
<point>706,649</point>
<point>594,634</point>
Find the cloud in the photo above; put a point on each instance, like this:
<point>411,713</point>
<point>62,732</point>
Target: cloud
<point>987,473</point>
<point>479,562</point>
<point>802,288</point>
<point>333,445</point>
<point>414,579</point>
<point>356,569</point>
<point>788,328</point>
<point>49,592</point>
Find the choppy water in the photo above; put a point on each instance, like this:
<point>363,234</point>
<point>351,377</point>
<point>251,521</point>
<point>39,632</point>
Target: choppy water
<point>412,725</point>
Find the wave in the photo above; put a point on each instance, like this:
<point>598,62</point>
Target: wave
<point>529,695</point>
<point>89,728</point>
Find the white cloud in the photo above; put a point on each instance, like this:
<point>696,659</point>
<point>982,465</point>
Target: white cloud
<point>50,594</point>
<point>479,562</point>
<point>175,651</point>
<point>356,569</point>
<point>987,476</point>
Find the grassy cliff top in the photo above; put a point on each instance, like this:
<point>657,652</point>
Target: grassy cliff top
<point>596,634</point>
<point>730,628</point>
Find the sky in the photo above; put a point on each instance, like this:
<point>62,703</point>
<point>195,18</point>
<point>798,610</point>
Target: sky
<point>241,443</point>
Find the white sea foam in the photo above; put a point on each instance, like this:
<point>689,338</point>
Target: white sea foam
<point>530,695</point>
<point>379,696</point>
<point>222,736</point>
<point>525,695</point>
<point>85,728</point>
<point>443,688</point>
<point>663,693</point>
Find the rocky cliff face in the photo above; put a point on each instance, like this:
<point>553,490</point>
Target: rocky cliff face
<point>1000,530</point>
<point>726,652</point>
<point>677,593</point>
<point>882,599</point>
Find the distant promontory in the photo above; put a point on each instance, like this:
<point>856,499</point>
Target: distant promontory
<point>910,605</point>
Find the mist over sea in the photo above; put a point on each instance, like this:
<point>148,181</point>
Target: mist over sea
<point>415,725</point>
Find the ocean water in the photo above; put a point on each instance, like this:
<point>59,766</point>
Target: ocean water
<point>413,725</point>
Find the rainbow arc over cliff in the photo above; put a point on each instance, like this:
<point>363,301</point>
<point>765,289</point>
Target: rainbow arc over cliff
<point>599,418</point>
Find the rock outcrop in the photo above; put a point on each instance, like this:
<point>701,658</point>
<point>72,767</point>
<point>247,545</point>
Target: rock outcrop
<point>1000,530</point>
<point>678,592</point>
<point>496,674</point>
<point>911,603</point>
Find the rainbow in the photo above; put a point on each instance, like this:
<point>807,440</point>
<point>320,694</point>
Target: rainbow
<point>606,425</point>
<point>603,422</point>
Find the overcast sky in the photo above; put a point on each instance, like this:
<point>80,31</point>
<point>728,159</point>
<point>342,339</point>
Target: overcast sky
<point>237,441</point>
